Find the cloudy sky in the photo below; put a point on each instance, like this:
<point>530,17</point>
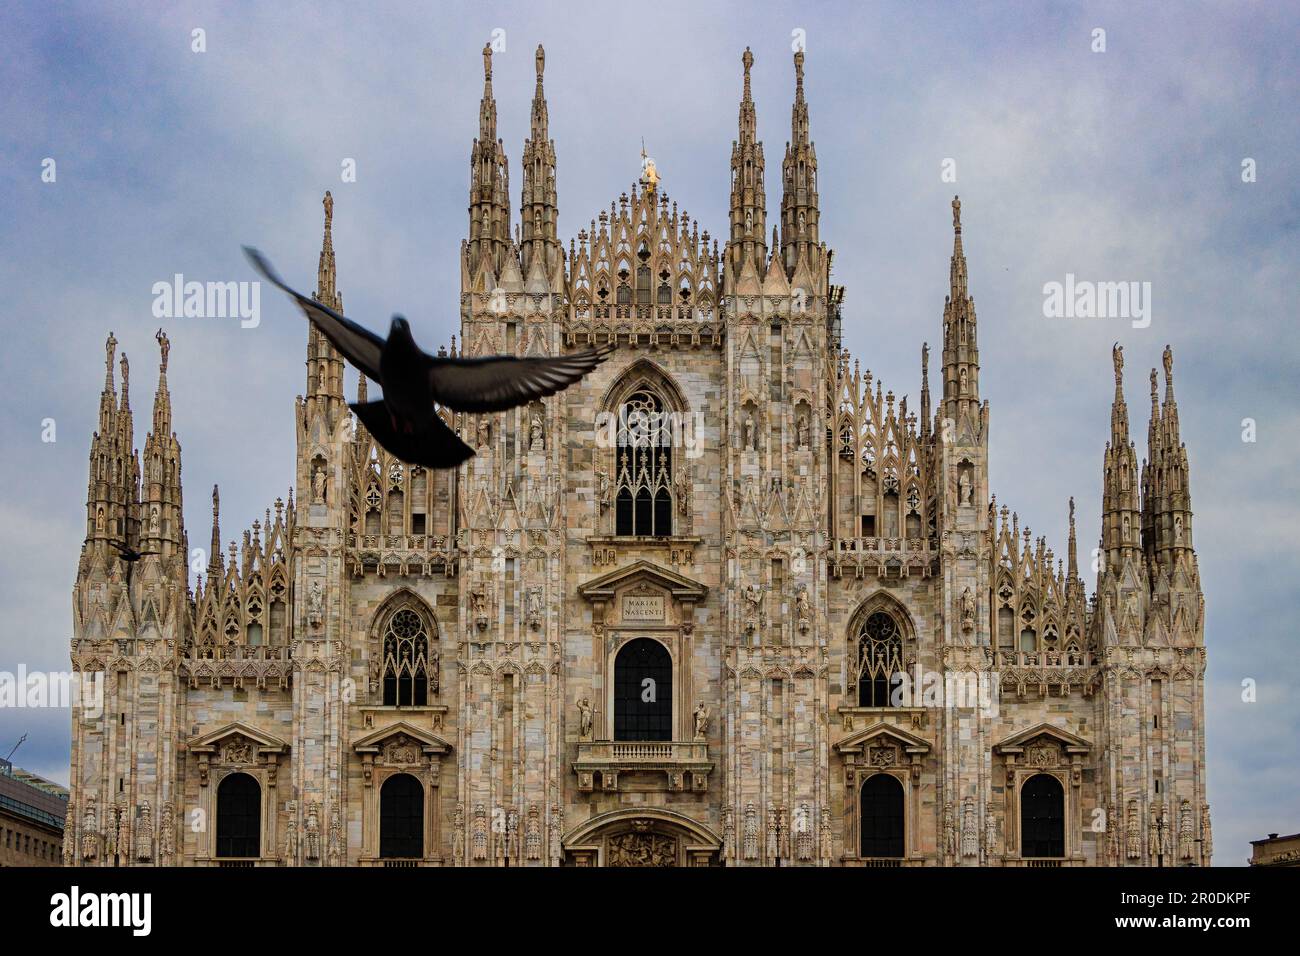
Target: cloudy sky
<point>1116,165</point>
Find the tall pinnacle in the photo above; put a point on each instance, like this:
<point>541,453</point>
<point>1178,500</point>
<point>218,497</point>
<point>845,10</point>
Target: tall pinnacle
<point>538,211</point>
<point>960,343</point>
<point>800,212</point>
<point>489,190</point>
<point>748,240</point>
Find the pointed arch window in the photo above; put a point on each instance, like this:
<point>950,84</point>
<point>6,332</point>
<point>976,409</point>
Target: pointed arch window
<point>407,673</point>
<point>879,658</point>
<point>644,497</point>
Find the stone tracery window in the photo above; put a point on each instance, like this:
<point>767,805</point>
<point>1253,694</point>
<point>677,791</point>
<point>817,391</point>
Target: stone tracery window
<point>879,658</point>
<point>644,467</point>
<point>407,671</point>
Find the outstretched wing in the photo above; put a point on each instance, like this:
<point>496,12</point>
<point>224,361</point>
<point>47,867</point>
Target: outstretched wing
<point>498,382</point>
<point>359,345</point>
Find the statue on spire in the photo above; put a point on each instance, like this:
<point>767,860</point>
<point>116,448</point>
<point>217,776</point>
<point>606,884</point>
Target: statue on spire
<point>328,203</point>
<point>110,349</point>
<point>1169,363</point>
<point>487,61</point>
<point>649,175</point>
<point>1117,356</point>
<point>956,213</point>
<point>164,346</point>
<point>541,61</point>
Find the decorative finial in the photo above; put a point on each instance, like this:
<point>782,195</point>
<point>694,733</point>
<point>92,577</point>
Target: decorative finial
<point>541,62</point>
<point>956,213</point>
<point>487,61</point>
<point>164,346</point>
<point>798,69</point>
<point>925,357</point>
<point>1071,509</point>
<point>216,501</point>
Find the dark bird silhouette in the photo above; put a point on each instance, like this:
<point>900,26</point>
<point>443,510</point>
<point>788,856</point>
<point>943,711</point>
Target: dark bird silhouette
<point>405,421</point>
<point>130,556</point>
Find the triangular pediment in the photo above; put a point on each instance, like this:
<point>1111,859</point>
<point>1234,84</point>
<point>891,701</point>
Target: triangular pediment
<point>854,743</point>
<point>373,742</point>
<point>1069,742</point>
<point>267,743</point>
<point>679,586</point>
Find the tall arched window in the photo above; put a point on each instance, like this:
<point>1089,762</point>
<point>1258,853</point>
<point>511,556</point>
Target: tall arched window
<point>406,660</point>
<point>401,818</point>
<point>239,817</point>
<point>880,657</point>
<point>643,691</point>
<point>882,816</point>
<point>1042,817</point>
<point>644,467</point>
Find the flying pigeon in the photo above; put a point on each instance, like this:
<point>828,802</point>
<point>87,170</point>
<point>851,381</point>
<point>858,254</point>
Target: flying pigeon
<point>129,555</point>
<point>405,422</point>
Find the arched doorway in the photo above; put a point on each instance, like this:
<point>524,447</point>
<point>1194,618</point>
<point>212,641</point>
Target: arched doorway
<point>239,817</point>
<point>401,818</point>
<point>881,821</point>
<point>1042,817</point>
<point>643,691</point>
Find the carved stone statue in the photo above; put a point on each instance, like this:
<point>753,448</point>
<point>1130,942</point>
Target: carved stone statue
<point>1207,837</point>
<point>537,433</point>
<point>315,604</point>
<point>155,522</point>
<point>966,603</point>
<point>313,831</point>
<point>949,831</point>
<point>479,838</point>
<point>534,607</point>
<point>701,721</point>
<point>318,481</point>
<point>484,432</point>
<point>802,607</point>
<point>603,494</point>
<point>990,836</point>
<point>585,713</point>
<point>965,488</point>
<point>554,834</point>
<point>89,826</point>
<point>533,834</point>
<point>753,597</point>
<point>749,432</point>
<point>144,833</point>
<point>750,845</point>
<point>1186,835</point>
<point>291,843</point>
<point>458,836</point>
<point>970,843</point>
<point>801,431</point>
<point>334,855</point>
<point>1134,826</point>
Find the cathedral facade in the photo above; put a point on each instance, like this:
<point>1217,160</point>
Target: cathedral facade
<point>726,601</point>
